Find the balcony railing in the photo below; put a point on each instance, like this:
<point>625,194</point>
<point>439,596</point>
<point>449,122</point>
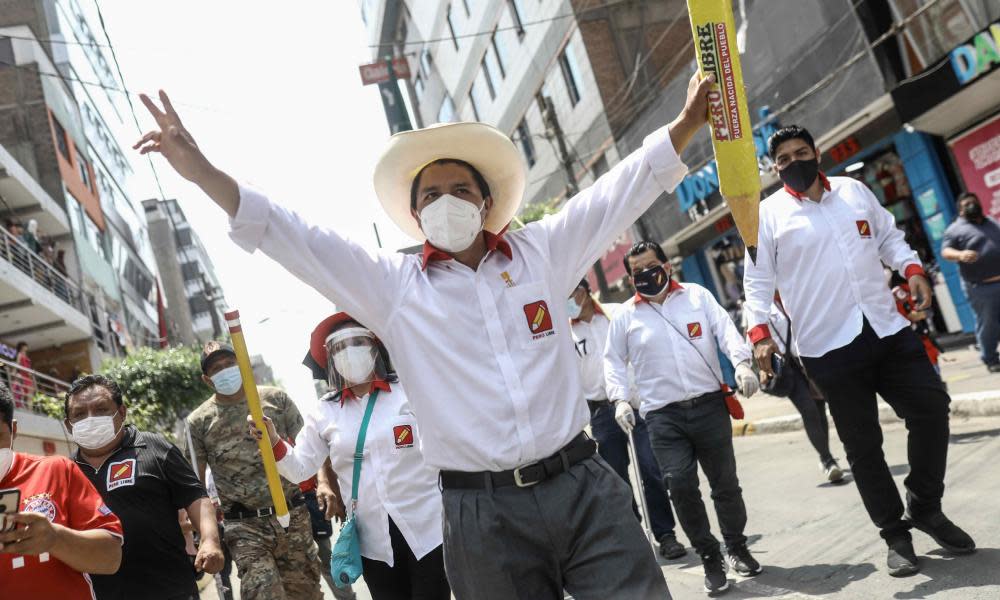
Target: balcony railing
<point>25,383</point>
<point>18,254</point>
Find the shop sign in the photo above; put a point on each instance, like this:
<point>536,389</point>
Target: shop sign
<point>928,202</point>
<point>845,149</point>
<point>978,56</point>
<point>977,154</point>
<point>701,184</point>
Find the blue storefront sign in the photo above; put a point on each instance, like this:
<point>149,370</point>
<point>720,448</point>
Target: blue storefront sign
<point>705,181</point>
<point>977,56</point>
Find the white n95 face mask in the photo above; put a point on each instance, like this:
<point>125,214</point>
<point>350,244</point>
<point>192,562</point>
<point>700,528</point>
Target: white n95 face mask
<point>94,432</point>
<point>451,224</point>
<point>228,381</point>
<point>355,363</point>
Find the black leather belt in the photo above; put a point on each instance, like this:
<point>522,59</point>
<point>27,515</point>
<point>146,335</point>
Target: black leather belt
<point>267,511</point>
<point>692,402</point>
<point>581,448</point>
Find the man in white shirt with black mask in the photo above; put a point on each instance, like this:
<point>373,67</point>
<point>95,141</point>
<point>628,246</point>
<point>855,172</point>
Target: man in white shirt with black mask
<point>822,242</point>
<point>671,335</point>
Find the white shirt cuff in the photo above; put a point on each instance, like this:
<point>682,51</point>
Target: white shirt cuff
<point>668,170</point>
<point>247,228</point>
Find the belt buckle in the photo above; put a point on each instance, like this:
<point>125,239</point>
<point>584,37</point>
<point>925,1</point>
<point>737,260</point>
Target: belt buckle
<point>520,482</point>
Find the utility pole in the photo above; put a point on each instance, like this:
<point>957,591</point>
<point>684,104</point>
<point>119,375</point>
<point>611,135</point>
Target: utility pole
<point>554,130</point>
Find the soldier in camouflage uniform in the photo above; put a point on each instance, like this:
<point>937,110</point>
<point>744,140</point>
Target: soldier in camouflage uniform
<point>273,564</point>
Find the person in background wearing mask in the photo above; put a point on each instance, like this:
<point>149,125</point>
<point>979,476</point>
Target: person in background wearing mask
<point>145,480</point>
<point>398,511</point>
<point>589,321</point>
<point>60,533</point>
<point>822,241</point>
<point>273,563</point>
<point>671,335</point>
<point>794,384</point>
<point>973,241</point>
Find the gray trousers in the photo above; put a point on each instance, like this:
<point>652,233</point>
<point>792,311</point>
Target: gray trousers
<point>574,532</point>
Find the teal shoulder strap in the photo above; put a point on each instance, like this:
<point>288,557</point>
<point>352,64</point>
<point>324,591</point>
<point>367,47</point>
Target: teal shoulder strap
<point>360,448</point>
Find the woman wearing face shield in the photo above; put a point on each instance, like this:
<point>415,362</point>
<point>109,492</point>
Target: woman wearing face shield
<point>398,508</point>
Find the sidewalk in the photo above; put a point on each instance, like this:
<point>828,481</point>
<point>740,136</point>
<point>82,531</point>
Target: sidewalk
<point>974,392</point>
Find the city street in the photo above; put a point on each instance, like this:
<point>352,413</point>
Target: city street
<point>815,540</point>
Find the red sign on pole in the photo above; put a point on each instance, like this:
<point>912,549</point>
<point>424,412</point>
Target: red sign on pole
<point>977,153</point>
<point>379,72</point>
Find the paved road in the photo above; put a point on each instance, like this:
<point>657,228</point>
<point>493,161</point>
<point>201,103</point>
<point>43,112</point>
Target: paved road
<point>815,540</point>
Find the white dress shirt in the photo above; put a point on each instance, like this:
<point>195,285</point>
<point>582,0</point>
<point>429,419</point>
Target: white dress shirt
<point>486,354</point>
<point>395,481</point>
<point>590,340</point>
<point>826,260</point>
<point>667,366</point>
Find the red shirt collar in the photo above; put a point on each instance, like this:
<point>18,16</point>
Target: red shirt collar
<point>378,384</point>
<point>597,310</point>
<point>672,287</point>
<point>822,178</point>
<point>494,241</point>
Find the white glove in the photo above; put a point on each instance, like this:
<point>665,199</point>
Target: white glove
<point>746,379</point>
<point>625,416</point>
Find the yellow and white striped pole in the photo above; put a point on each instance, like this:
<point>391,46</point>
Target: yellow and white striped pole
<point>253,402</point>
<point>714,31</point>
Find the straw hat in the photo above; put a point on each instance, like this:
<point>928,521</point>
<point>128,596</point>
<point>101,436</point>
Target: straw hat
<point>485,147</point>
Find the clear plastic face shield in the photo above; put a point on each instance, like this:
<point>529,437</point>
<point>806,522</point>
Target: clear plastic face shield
<point>353,357</point>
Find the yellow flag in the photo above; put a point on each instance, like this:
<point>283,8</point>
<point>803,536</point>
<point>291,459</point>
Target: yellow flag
<point>732,134</point>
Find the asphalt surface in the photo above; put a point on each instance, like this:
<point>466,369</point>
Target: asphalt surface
<point>816,541</point>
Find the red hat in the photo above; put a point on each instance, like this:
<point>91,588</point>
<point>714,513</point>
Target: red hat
<point>317,342</point>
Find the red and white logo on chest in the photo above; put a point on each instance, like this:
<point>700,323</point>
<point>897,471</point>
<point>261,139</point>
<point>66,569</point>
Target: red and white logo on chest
<point>694,330</point>
<point>864,229</point>
<point>121,473</point>
<point>403,436</point>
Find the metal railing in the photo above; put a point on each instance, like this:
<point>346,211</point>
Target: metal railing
<point>25,383</point>
<point>18,254</point>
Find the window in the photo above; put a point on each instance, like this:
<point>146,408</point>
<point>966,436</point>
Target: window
<point>446,114</point>
<point>451,28</point>
<point>62,143</point>
<point>418,86</point>
<point>85,172</point>
<point>600,166</point>
<point>488,78</point>
<point>190,271</point>
<point>571,73</point>
<point>516,11</point>
<point>184,239</point>
<point>426,61</point>
<point>527,145</point>
<point>472,101</point>
<point>199,304</point>
<point>6,53</point>
<point>499,53</point>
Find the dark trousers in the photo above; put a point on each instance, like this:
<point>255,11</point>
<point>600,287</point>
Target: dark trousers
<point>574,532</point>
<point>812,407</point>
<point>408,578</point>
<point>683,436</point>
<point>612,445</point>
<point>896,368</point>
<point>985,301</point>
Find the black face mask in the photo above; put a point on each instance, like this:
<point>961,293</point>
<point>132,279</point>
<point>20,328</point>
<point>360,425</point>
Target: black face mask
<point>972,212</point>
<point>800,174</point>
<point>651,281</point>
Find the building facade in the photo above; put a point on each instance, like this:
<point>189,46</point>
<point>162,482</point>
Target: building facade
<point>195,303</point>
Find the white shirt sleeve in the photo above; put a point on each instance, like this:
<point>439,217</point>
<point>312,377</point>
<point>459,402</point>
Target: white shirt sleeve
<point>304,459</point>
<point>361,283</point>
<point>758,277</point>
<point>591,221</point>
<point>726,334</point>
<point>617,378</point>
<point>892,246</point>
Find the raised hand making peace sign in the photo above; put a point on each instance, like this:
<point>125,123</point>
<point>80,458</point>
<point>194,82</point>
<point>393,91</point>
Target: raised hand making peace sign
<point>177,145</point>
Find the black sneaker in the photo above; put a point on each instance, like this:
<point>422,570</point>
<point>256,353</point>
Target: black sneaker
<point>948,535</point>
<point>670,548</point>
<point>743,562</point>
<point>993,368</point>
<point>716,582</point>
<point>902,560</point>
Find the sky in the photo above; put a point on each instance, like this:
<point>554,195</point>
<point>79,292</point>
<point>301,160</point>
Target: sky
<point>273,97</point>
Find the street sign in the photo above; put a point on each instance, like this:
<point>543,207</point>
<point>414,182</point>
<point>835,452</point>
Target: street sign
<point>379,72</point>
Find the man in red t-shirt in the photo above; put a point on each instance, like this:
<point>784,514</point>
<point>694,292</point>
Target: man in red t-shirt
<point>62,529</point>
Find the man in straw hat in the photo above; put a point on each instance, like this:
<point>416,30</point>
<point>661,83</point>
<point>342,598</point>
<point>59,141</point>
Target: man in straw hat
<point>478,328</point>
